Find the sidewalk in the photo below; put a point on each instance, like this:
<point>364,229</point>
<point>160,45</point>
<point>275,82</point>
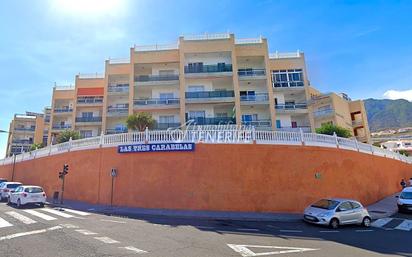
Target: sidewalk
<point>381,209</point>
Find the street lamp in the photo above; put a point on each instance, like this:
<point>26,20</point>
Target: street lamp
<point>14,155</point>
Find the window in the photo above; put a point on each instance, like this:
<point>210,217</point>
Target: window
<point>13,185</point>
<point>355,205</point>
<point>287,78</point>
<point>345,206</point>
<point>196,88</point>
<point>221,114</point>
<point>34,190</point>
<point>87,114</point>
<point>166,95</point>
<point>167,119</point>
<point>278,124</point>
<point>294,124</point>
<point>197,114</point>
<point>86,133</point>
<point>166,72</point>
<point>325,204</point>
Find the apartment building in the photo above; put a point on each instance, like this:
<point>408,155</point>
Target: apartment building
<point>208,79</point>
<point>25,130</point>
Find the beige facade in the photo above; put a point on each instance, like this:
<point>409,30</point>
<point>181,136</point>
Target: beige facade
<point>206,79</point>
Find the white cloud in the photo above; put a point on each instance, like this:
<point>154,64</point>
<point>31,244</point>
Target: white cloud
<point>397,94</point>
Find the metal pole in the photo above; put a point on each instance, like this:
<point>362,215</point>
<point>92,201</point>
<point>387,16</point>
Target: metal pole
<point>111,193</point>
<point>14,165</point>
<point>61,199</point>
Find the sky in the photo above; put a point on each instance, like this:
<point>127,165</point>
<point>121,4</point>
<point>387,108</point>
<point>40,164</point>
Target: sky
<point>362,48</point>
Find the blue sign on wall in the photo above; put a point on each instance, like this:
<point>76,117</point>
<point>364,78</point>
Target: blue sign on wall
<point>160,147</point>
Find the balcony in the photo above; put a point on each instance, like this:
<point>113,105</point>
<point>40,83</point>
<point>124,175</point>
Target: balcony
<point>116,131</point>
<point>164,126</point>
<point>246,74</point>
<point>24,129</point>
<point>61,126</point>
<point>320,114</point>
<point>88,119</point>
<point>288,85</point>
<point>116,89</point>
<point>90,101</point>
<point>117,111</point>
<point>221,69</point>
<point>292,108</point>
<point>305,129</point>
<point>160,103</point>
<point>210,96</point>
<point>22,141</point>
<point>212,121</point>
<point>258,123</point>
<point>262,98</point>
<point>146,80</point>
<point>63,110</point>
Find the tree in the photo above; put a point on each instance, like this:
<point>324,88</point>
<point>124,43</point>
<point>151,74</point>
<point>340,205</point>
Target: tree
<point>404,152</point>
<point>36,146</point>
<point>67,134</point>
<point>330,129</point>
<point>140,121</point>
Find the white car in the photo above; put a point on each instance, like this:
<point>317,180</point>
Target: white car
<point>6,188</point>
<point>405,200</point>
<point>28,195</point>
<point>334,212</point>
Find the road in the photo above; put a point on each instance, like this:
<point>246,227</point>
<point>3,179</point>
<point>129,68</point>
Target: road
<point>40,232</point>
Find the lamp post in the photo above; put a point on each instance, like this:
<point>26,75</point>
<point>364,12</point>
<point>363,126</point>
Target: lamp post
<point>14,155</point>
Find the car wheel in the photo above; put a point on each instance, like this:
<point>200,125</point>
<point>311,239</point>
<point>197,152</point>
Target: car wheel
<point>334,223</point>
<point>18,204</point>
<point>366,222</point>
<point>8,201</point>
<point>41,205</point>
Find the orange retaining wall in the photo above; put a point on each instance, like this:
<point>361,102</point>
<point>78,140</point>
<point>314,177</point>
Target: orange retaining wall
<point>225,177</point>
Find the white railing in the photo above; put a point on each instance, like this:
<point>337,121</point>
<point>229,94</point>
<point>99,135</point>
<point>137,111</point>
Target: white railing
<point>247,41</point>
<point>207,36</point>
<point>278,55</point>
<point>119,60</point>
<point>156,47</point>
<point>69,87</point>
<point>212,135</point>
<point>91,76</point>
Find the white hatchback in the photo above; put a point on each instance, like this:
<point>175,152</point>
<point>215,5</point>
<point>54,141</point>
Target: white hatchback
<point>28,195</point>
<point>6,188</point>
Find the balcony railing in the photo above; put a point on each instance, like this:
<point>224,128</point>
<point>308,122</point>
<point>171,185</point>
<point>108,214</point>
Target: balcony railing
<point>291,106</point>
<point>260,97</point>
<point>251,72</point>
<point>25,129</point>
<point>211,68</point>
<point>284,84</point>
<point>90,101</point>
<point>60,126</point>
<point>257,123</point>
<point>305,129</point>
<point>162,125</point>
<point>60,110</point>
<point>88,119</point>
<point>278,55</point>
<point>118,110</point>
<point>323,113</point>
<point>149,78</point>
<point>210,94</point>
<point>156,101</point>
<point>116,131</point>
<point>212,121</point>
<point>22,141</point>
<point>118,88</point>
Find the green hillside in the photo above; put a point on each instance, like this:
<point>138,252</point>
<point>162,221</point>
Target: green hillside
<point>384,114</point>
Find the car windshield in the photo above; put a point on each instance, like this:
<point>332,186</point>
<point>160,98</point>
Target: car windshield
<point>13,185</point>
<point>406,195</point>
<point>325,204</point>
<point>33,190</point>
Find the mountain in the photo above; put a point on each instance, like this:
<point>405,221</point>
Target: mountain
<point>385,113</point>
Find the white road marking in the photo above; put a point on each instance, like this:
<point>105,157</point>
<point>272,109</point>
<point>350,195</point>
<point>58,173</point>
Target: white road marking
<point>405,225</point>
<point>107,240</point>
<point>85,232</point>
<point>81,213</point>
<point>4,223</point>
<point>290,231</point>
<point>20,217</point>
<point>246,252</point>
<point>59,213</point>
<point>328,231</point>
<point>69,226</point>
<point>381,222</point>
<point>247,229</point>
<point>29,233</point>
<point>364,230</point>
<point>133,249</point>
<point>40,215</point>
<point>114,221</point>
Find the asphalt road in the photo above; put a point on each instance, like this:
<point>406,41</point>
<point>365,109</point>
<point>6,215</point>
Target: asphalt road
<point>43,232</point>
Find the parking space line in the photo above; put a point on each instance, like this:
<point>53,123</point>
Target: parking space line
<point>40,215</point>
<point>85,232</point>
<point>20,217</point>
<point>59,213</point>
<point>247,229</point>
<point>4,223</point>
<point>364,230</point>
<point>12,236</point>
<point>329,231</point>
<point>291,231</point>
<point>69,226</point>
<point>114,221</point>
<point>406,225</point>
<point>133,249</point>
<point>107,240</point>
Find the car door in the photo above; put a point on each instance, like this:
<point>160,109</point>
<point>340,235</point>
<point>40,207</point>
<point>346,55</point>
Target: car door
<point>15,195</point>
<point>357,212</point>
<point>346,213</point>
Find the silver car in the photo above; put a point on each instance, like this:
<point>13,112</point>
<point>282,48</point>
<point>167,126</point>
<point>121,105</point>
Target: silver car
<point>334,212</point>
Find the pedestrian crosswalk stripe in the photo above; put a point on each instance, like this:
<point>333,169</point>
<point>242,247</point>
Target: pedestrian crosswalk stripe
<point>59,213</point>
<point>20,217</point>
<point>405,225</point>
<point>4,223</point>
<point>107,240</point>
<point>381,222</point>
<point>134,249</point>
<point>81,213</point>
<point>85,232</point>
<point>40,215</point>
